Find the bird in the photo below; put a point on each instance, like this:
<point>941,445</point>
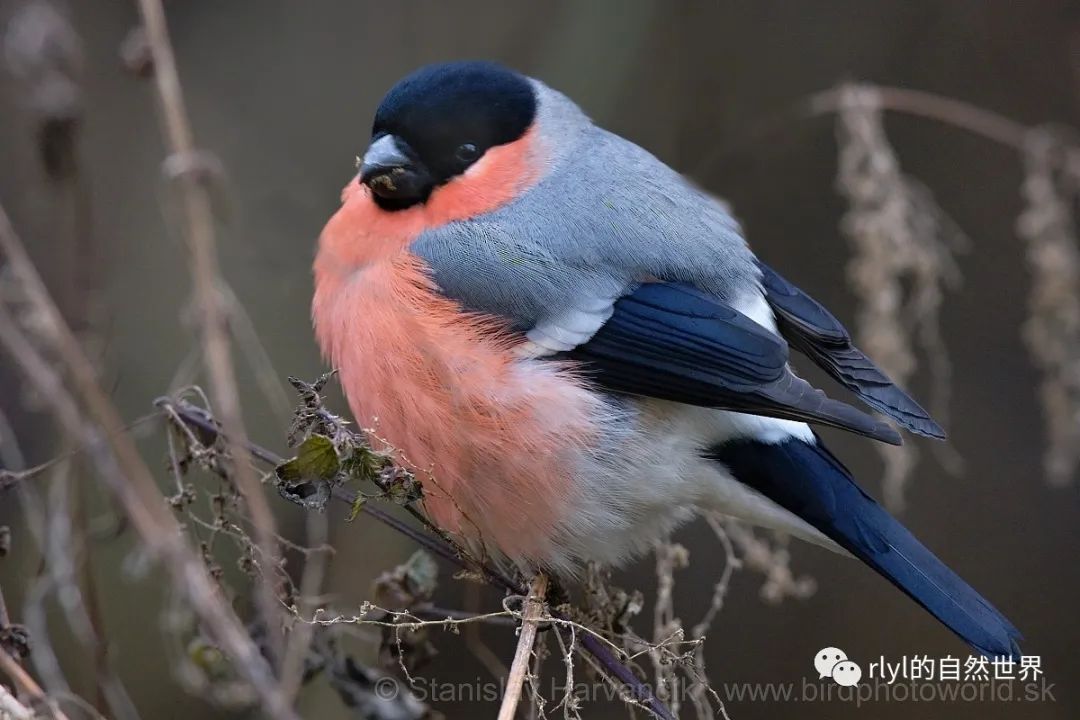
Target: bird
<point>576,351</point>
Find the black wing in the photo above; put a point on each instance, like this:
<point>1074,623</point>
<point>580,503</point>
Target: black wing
<point>676,343</point>
<point>813,331</point>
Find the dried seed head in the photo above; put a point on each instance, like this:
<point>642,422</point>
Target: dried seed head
<point>902,262</point>
<point>1052,330</point>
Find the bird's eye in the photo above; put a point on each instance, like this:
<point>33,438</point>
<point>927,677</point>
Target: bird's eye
<point>467,152</point>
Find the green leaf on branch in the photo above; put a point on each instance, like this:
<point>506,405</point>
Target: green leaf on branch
<point>316,459</point>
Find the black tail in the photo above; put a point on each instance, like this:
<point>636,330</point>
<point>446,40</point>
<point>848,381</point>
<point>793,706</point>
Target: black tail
<point>806,479</point>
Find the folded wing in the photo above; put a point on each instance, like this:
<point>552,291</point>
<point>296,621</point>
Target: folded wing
<point>674,342</point>
<point>815,332</point>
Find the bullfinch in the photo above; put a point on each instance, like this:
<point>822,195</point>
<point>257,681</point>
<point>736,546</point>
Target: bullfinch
<point>576,351</point>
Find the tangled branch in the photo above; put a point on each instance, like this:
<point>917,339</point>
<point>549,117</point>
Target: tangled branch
<point>331,455</point>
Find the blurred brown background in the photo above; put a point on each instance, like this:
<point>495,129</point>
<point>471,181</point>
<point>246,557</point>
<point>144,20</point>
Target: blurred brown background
<point>283,92</point>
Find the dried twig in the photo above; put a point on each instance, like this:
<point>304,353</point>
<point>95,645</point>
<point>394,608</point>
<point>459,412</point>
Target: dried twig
<point>917,103</point>
<point>699,690</point>
<point>670,558</point>
<point>530,619</point>
<point>930,106</point>
<point>292,666</point>
<point>199,213</point>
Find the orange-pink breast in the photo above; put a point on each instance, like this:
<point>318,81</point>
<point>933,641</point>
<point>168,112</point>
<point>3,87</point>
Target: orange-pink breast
<point>494,439</point>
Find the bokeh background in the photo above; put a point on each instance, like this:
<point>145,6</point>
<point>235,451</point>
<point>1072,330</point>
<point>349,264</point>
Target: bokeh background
<point>282,92</point>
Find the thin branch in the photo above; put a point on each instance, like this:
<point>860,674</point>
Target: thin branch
<point>292,666</point>
<point>954,113</point>
<point>530,620</point>
<point>206,276</point>
<point>11,477</point>
<point>919,103</point>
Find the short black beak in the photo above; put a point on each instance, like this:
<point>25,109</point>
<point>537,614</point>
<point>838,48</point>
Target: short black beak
<point>394,177</point>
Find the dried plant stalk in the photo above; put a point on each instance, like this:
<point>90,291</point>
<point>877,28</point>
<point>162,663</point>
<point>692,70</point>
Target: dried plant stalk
<point>903,259</point>
<point>530,620</point>
<point>208,282</point>
<point>1052,330</point>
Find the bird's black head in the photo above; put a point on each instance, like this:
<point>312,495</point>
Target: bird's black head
<point>437,122</point>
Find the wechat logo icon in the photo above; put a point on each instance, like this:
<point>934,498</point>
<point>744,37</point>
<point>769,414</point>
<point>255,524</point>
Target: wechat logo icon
<point>833,663</point>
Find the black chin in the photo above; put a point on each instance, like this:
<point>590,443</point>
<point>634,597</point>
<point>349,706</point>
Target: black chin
<point>400,202</point>
<point>400,189</point>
